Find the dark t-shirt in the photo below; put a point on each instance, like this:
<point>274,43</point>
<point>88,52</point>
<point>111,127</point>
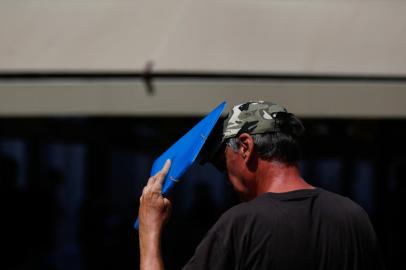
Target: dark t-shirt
<point>302,229</point>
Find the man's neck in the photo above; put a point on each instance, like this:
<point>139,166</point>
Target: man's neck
<point>274,176</point>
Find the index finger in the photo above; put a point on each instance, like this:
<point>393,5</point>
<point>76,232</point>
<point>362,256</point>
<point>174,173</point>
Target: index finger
<point>162,174</point>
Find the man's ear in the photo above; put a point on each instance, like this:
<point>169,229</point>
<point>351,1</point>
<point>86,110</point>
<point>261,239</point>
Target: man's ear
<point>246,147</point>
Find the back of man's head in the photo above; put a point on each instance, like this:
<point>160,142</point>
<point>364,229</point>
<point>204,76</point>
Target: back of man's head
<point>275,131</point>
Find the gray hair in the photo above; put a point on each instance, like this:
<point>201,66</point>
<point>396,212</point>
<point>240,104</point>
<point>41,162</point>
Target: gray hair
<point>272,146</point>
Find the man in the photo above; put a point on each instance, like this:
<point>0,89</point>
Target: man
<point>283,222</point>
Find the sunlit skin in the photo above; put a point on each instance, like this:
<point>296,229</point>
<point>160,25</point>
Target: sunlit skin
<point>154,212</point>
<point>249,175</point>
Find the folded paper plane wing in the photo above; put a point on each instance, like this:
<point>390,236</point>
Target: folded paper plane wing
<point>185,151</point>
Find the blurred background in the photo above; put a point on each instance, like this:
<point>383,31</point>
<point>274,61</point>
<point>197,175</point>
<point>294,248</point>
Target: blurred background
<point>91,92</point>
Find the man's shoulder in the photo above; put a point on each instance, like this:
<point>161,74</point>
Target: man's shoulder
<point>337,200</point>
<point>237,212</point>
<point>339,206</point>
<point>244,209</point>
<point>244,214</point>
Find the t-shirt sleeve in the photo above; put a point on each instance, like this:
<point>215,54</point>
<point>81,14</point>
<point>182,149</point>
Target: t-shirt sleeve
<point>212,253</point>
<point>370,253</point>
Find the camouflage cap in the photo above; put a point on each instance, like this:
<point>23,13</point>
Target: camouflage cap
<point>252,117</point>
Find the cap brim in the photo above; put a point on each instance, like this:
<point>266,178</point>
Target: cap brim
<point>213,144</point>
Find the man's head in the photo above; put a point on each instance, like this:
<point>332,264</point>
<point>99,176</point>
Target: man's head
<point>257,132</point>
<point>274,130</point>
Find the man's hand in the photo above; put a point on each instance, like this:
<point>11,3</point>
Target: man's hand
<point>154,212</point>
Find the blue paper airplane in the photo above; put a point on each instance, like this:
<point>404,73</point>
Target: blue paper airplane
<point>185,151</point>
